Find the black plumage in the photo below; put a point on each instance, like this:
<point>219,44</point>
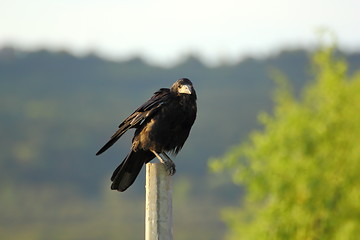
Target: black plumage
<point>162,126</point>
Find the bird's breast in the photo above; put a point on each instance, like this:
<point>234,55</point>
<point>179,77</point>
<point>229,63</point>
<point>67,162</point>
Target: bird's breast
<point>165,131</point>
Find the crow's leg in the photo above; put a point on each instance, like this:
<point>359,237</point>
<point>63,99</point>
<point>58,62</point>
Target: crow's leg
<point>173,169</point>
<point>166,156</point>
<point>166,160</point>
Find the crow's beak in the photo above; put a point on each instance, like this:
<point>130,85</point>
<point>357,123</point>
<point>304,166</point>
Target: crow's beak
<point>186,89</point>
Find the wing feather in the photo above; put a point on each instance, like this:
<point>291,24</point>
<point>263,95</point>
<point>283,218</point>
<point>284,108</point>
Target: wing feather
<point>138,116</point>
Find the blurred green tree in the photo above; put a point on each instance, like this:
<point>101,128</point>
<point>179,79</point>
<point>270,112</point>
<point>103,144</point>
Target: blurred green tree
<point>302,171</point>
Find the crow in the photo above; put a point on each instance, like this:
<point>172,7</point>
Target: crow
<point>162,124</point>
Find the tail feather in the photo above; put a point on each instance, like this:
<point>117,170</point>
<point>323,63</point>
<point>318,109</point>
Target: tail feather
<point>126,173</point>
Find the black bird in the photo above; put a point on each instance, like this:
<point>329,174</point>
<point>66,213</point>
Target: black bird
<point>162,125</point>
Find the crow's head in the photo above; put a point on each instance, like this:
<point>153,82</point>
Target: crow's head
<point>183,86</point>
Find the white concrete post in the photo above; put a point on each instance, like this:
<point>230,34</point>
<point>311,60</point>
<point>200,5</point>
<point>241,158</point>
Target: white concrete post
<point>158,216</point>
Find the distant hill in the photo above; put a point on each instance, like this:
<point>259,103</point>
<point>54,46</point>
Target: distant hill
<point>58,109</point>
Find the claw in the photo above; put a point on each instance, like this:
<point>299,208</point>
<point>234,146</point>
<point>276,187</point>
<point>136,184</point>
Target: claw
<point>170,168</point>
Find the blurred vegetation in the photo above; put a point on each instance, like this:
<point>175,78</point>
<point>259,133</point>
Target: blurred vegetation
<point>301,172</point>
<point>57,110</point>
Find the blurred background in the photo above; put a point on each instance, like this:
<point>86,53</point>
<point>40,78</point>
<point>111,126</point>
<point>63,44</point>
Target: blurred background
<point>71,71</point>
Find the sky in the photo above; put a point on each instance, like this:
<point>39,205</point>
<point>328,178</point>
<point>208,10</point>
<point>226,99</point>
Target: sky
<point>165,31</point>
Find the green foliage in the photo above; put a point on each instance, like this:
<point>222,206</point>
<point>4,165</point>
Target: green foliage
<point>302,171</point>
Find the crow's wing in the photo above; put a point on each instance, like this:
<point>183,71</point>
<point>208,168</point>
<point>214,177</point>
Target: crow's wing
<point>138,116</point>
